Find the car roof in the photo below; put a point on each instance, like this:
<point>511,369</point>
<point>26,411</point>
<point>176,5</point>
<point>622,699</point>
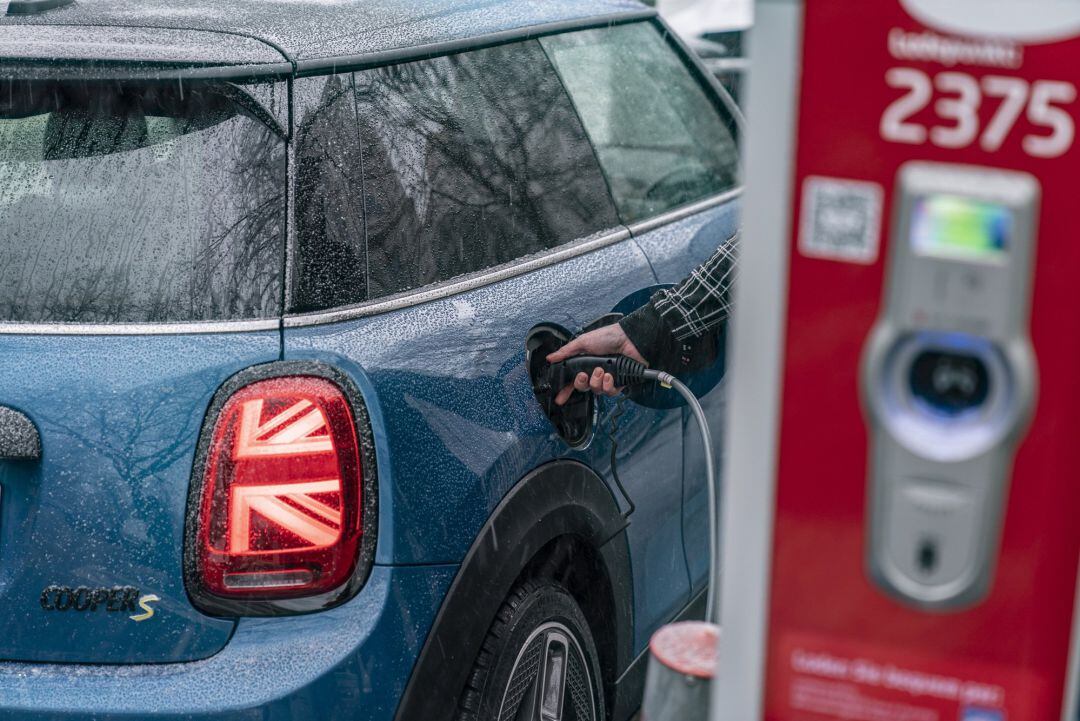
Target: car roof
<point>311,34</point>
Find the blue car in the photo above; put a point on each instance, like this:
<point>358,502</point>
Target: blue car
<point>269,446</point>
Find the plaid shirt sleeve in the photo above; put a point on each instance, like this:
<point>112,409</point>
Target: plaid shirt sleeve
<point>702,301</point>
<point>699,305</point>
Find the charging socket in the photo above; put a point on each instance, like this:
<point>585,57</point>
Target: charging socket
<point>574,421</point>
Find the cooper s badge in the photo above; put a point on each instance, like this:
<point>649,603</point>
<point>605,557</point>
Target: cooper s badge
<point>114,599</point>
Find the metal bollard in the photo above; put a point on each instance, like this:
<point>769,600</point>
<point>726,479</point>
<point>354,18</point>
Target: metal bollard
<point>682,661</point>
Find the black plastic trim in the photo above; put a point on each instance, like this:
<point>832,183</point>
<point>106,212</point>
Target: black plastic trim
<point>323,66</point>
<point>244,99</point>
<point>19,437</point>
<point>32,7</point>
<point>38,69</point>
<point>215,605</point>
<point>562,498</point>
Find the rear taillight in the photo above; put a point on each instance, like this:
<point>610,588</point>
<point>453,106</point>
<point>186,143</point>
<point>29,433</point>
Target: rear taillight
<point>280,507</point>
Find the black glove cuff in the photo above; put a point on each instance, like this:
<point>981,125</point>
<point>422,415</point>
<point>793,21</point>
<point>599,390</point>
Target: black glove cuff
<point>654,338</point>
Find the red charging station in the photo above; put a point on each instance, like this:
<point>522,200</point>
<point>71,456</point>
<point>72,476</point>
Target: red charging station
<point>913,190</point>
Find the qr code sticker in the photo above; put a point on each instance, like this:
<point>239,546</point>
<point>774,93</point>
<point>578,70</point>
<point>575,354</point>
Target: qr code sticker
<point>841,219</point>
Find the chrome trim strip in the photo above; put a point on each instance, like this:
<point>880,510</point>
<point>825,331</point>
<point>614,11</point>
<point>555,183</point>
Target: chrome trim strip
<point>644,226</point>
<point>197,328</point>
<point>460,285</point>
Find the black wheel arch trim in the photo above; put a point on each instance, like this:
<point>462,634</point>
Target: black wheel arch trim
<point>561,498</point>
<point>218,606</point>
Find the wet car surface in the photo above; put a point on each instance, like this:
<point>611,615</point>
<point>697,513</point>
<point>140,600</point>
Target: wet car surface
<point>267,274</point>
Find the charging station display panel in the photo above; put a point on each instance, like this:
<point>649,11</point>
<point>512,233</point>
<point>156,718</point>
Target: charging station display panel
<point>952,226</point>
<point>926,539</point>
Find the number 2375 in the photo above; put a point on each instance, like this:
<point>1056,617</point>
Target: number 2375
<point>960,97</point>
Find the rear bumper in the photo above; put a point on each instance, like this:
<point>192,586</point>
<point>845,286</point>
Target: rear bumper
<point>352,662</point>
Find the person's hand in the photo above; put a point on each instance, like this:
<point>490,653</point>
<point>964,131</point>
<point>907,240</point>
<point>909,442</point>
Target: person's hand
<point>609,340</point>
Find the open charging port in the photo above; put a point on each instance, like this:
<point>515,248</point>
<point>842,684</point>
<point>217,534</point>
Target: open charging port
<point>574,421</point>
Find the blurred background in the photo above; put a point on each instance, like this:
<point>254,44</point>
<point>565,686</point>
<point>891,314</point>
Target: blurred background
<point>715,29</point>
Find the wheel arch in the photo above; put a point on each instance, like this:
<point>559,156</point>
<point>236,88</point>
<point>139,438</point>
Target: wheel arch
<point>582,569</point>
<point>560,513</point>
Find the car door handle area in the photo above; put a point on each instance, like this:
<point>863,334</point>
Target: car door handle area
<point>19,437</point>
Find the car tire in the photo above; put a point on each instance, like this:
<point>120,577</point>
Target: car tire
<point>539,636</point>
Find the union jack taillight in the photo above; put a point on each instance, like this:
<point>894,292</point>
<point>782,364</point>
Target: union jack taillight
<point>281,508</point>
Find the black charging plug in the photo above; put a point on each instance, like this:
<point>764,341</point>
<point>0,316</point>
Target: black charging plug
<point>625,371</point>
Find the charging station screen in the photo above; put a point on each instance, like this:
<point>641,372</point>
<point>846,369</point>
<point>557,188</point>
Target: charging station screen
<point>957,227</point>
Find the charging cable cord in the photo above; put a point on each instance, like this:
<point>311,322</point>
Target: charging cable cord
<point>627,371</point>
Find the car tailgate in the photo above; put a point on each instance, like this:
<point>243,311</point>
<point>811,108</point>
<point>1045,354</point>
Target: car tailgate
<point>91,534</point>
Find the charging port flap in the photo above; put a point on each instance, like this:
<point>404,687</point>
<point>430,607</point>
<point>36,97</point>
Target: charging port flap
<point>574,421</point>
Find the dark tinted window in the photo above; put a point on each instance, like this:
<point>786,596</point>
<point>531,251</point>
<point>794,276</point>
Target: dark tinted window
<point>471,161</point>
<point>330,262</point>
<point>137,203</point>
<point>659,135</point>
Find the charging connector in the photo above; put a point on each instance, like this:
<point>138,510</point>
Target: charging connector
<point>625,371</point>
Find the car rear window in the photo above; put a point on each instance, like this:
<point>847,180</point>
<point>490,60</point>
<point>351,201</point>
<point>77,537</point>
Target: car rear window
<point>137,202</point>
<point>661,138</point>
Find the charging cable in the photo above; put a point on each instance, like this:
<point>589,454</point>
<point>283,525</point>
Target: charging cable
<point>613,428</point>
<point>627,371</point>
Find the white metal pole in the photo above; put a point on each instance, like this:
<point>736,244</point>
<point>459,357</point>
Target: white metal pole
<point>757,349</point>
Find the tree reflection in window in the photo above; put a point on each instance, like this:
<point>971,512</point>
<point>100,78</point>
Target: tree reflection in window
<point>471,161</point>
<point>330,264</point>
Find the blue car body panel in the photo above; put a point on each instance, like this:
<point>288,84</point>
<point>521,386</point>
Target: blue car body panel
<point>119,418</point>
<point>456,424</point>
<point>351,662</point>
<point>673,251</point>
